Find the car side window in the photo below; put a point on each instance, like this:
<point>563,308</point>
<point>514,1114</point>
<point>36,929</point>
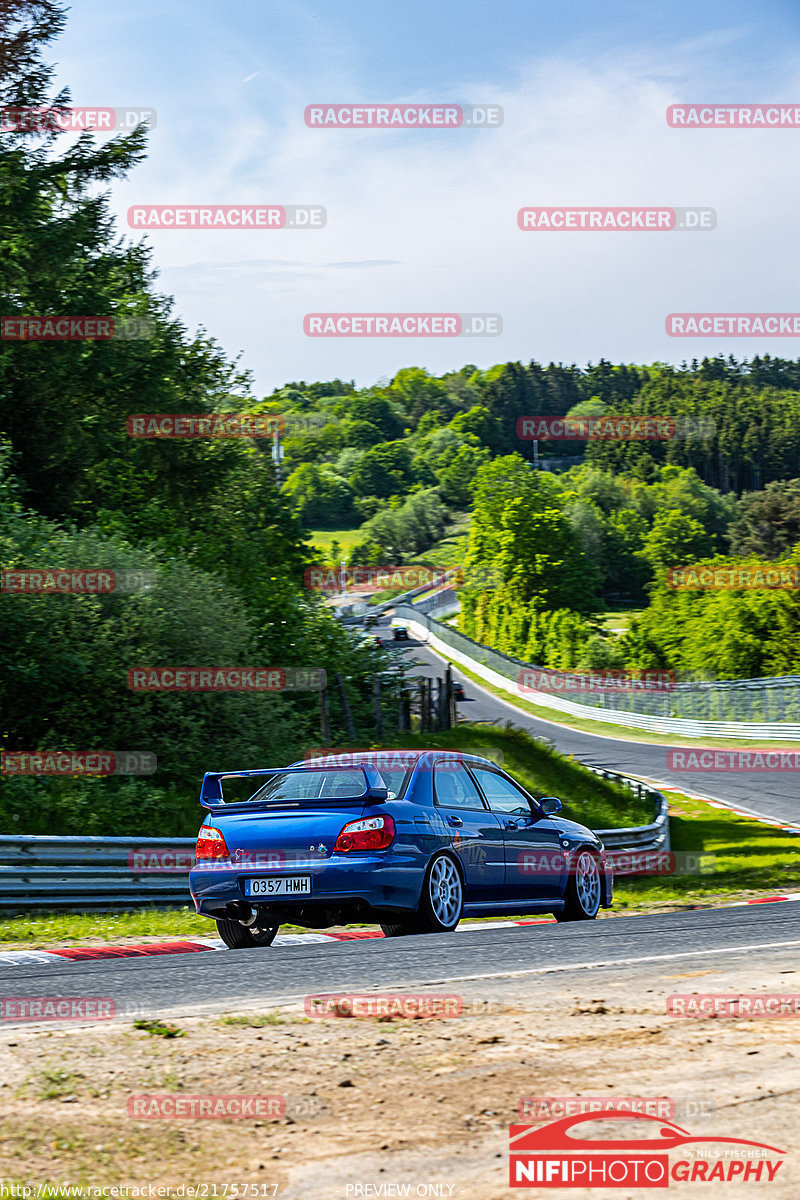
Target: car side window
<point>453,787</point>
<point>501,794</point>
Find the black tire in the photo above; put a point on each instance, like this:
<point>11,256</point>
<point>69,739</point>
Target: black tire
<point>428,918</point>
<point>398,928</point>
<point>582,893</point>
<point>241,937</point>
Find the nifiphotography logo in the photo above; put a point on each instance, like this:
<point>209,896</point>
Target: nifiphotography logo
<point>561,1155</point>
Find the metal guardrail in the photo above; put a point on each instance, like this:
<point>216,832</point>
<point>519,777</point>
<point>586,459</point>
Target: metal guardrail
<point>84,874</point>
<point>642,838</point>
<point>773,700</point>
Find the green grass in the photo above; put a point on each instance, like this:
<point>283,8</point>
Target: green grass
<point>159,1029</point>
<point>255,1020</point>
<point>617,622</point>
<point>53,928</point>
<point>55,1083</point>
<point>750,858</point>
<point>37,930</point>
<point>347,538</point>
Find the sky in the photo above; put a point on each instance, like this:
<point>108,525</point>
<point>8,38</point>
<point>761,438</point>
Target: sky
<point>426,220</point>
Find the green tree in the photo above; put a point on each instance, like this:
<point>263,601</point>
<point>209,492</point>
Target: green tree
<point>319,496</point>
<point>383,470</point>
<point>768,522</point>
<point>675,540</point>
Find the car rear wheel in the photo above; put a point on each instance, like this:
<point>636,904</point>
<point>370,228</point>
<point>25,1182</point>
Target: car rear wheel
<point>398,928</point>
<point>582,894</point>
<point>442,896</point>
<point>441,904</point>
<point>237,936</point>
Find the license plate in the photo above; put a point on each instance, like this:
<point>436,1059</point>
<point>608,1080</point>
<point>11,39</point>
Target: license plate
<point>278,885</point>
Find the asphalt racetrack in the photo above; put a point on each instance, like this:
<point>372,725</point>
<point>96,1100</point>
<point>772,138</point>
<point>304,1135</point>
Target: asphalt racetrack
<point>637,949</point>
<point>773,794</point>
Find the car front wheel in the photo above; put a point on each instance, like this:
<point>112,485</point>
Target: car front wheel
<point>582,894</point>
<point>237,936</point>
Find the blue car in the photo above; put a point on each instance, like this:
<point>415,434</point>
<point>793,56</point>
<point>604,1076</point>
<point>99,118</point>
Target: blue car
<point>414,840</point>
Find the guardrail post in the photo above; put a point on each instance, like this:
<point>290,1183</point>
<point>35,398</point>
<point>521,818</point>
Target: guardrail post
<point>376,700</point>
<point>348,716</point>
<point>324,715</point>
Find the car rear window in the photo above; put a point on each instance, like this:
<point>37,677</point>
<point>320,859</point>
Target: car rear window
<point>321,784</point>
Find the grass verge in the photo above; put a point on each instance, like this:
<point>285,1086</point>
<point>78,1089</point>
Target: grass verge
<point>323,539</point>
<point>749,859</point>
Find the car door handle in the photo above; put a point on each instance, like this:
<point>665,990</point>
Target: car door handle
<point>451,820</point>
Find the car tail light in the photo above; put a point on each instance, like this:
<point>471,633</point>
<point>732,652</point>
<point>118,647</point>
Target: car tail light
<point>210,844</point>
<point>373,833</point>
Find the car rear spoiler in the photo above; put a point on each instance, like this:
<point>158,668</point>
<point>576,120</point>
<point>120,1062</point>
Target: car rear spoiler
<point>375,789</point>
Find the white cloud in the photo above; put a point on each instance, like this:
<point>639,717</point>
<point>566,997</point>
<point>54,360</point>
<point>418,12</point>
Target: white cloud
<point>427,222</point>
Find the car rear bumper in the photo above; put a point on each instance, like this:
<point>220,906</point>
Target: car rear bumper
<point>369,881</point>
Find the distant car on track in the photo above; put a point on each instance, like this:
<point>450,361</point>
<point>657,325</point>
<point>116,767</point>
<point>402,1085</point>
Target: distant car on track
<point>400,633</point>
<point>458,691</point>
<point>414,840</point>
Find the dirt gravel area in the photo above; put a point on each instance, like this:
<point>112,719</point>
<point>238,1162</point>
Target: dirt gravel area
<point>373,1105</point>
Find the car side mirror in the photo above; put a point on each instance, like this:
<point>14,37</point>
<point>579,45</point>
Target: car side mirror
<point>550,805</point>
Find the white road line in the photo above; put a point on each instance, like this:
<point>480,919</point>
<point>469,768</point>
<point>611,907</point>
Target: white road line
<point>614,962</point>
<point>739,810</point>
<point>24,958</point>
